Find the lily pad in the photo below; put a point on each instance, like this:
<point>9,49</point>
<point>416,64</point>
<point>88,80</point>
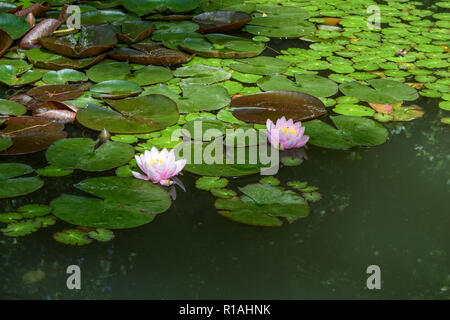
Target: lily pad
<point>132,115</point>
<point>10,217</point>
<point>31,134</point>
<point>15,26</point>
<point>208,183</point>
<point>8,107</point>
<point>150,75</point>
<point>263,205</point>
<point>197,97</point>
<point>64,76</point>
<point>10,76</point>
<point>5,143</point>
<point>72,237</point>
<point>56,92</point>
<point>352,131</point>
<point>258,107</point>
<point>154,54</point>
<point>260,65</point>
<point>221,21</point>
<point>80,153</point>
<point>108,71</point>
<point>384,92</point>
<point>93,40</point>
<point>144,7</point>
<point>34,210</point>
<point>222,46</point>
<point>351,109</point>
<point>201,74</point>
<point>52,171</point>
<point>115,89</point>
<point>134,31</point>
<point>48,60</point>
<point>128,203</point>
<point>223,193</point>
<point>11,186</point>
<point>5,42</point>
<point>21,228</point>
<point>101,235</point>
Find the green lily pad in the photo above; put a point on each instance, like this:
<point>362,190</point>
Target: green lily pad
<point>64,76</point>
<point>263,205</point>
<point>260,65</point>
<point>352,131</point>
<point>201,74</point>
<point>222,46</point>
<point>202,125</point>
<point>128,203</point>
<point>8,107</point>
<point>134,31</point>
<point>270,181</point>
<point>350,109</point>
<point>197,97</point>
<point>10,76</point>
<point>312,196</point>
<point>223,193</point>
<point>384,92</point>
<point>11,186</point>
<point>21,228</point>
<point>53,171</point>
<point>115,89</point>
<point>46,221</point>
<point>48,60</point>
<point>208,183</point>
<point>132,115</point>
<point>34,210</point>
<point>144,7</point>
<point>10,217</point>
<point>106,71</point>
<point>101,235</point>
<point>150,75</point>
<point>80,153</point>
<point>72,237</point>
<point>13,25</point>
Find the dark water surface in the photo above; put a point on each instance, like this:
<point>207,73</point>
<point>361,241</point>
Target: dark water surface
<point>385,206</point>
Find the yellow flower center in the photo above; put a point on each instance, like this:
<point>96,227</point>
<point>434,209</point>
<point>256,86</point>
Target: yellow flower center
<point>287,130</point>
<point>155,160</point>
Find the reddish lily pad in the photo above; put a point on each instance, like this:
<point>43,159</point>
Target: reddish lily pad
<point>56,92</point>
<point>48,60</point>
<point>41,30</point>
<point>37,9</point>
<point>221,21</point>
<point>94,40</point>
<point>149,53</point>
<point>5,42</point>
<point>30,134</point>
<point>258,107</point>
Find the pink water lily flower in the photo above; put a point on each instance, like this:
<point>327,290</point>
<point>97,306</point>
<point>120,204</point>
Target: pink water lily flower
<point>158,167</point>
<point>286,134</point>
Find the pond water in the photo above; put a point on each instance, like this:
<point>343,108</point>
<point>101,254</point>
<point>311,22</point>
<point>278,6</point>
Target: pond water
<point>385,206</point>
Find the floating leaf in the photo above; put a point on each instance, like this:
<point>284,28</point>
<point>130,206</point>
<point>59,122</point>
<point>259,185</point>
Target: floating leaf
<point>208,183</point>
<point>134,31</point>
<point>56,92</point>
<point>10,76</point>
<point>101,235</point>
<point>150,75</point>
<point>13,25</point>
<point>258,107</point>
<point>352,131</point>
<point>144,7</point>
<point>52,171</point>
<point>80,153</point>
<point>204,125</point>
<point>260,65</point>
<point>10,217</point>
<point>46,221</point>
<point>34,210</point>
<point>223,193</point>
<point>5,42</point>
<point>351,109</point>
<point>115,89</point>
<point>40,30</point>
<point>149,54</point>
<point>21,228</point>
<point>128,203</point>
<point>197,97</point>
<point>263,205</point>
<point>93,40</point>
<point>132,115</point>
<point>8,107</point>
<point>11,186</point>
<point>64,76</point>
<point>48,60</point>
<point>108,71</point>
<point>31,134</point>
<point>72,237</point>
<point>201,74</point>
<point>221,21</point>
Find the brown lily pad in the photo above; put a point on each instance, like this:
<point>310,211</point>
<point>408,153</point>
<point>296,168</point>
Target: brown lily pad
<point>149,53</point>
<point>94,40</point>
<point>56,92</point>
<point>382,108</point>
<point>5,42</point>
<point>56,111</point>
<point>171,17</point>
<point>41,30</point>
<point>221,21</point>
<point>258,107</point>
<point>29,102</point>
<point>37,9</point>
<point>134,31</point>
<point>31,134</point>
